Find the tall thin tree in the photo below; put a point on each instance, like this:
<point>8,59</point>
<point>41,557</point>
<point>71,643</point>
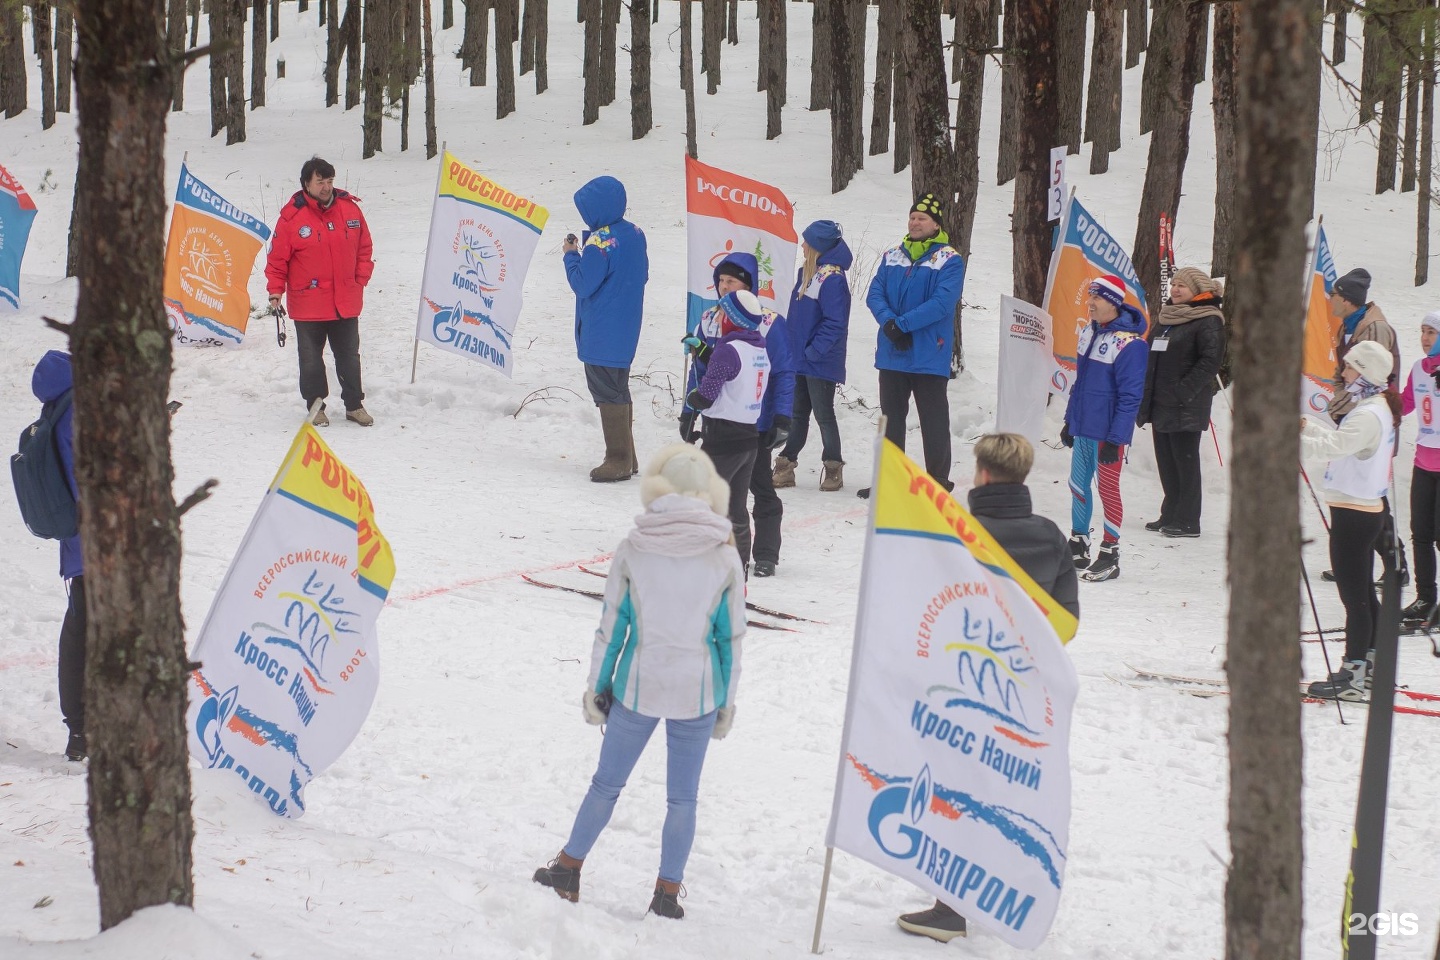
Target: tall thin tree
<point>432,146</point>
<point>973,32</point>
<point>845,101</point>
<point>1102,111</point>
<point>542,45</point>
<point>886,40</point>
<point>641,112</point>
<point>1070,52</point>
<point>1038,129</point>
<point>377,68</point>
<point>504,60</point>
<point>609,44</point>
<point>40,16</point>
<point>64,56</point>
<point>1224,69</point>
<point>13,81</point>
<point>1276,135</point>
<point>821,67</point>
<point>593,53</point>
<point>257,54</point>
<point>687,73</point>
<point>775,66</point>
<point>136,671</point>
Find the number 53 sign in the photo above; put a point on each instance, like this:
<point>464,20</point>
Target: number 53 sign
<point>1057,182</point>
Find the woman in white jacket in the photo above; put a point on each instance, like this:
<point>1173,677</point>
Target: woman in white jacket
<point>668,647</point>
<point>1357,480</point>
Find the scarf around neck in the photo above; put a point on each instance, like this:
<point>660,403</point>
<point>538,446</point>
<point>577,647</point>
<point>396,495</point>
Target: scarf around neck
<point>918,248</point>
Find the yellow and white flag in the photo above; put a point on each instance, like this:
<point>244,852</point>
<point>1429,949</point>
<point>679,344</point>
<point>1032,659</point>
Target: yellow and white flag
<point>289,658</point>
<point>954,770</point>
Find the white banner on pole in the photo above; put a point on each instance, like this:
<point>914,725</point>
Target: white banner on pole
<point>1025,370</point>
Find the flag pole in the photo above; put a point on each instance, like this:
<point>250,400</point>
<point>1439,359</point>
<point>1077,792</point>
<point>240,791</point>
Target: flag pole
<point>415,352</point>
<point>860,624</point>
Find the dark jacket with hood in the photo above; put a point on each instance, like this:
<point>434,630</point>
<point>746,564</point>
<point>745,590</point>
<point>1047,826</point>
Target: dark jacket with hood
<point>1109,379</point>
<point>1180,377</point>
<point>52,377</point>
<point>1035,542</point>
<point>819,317</point>
<point>608,277</point>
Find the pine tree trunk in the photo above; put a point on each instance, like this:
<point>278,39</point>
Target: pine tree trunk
<point>592,65</point>
<point>64,57</point>
<point>1102,110</point>
<point>376,71</point>
<point>333,52</point>
<point>527,39</point>
<point>136,668</point>
<point>904,106</point>
<point>1070,49</point>
<point>235,76</point>
<point>1174,42</point>
<point>1408,145</point>
<point>609,42</point>
<point>350,30</point>
<point>504,60</point>
<point>257,55</point>
<point>1009,100</point>
<point>1388,147</point>
<point>77,218</point>
<point>687,73</point>
<point>821,69</point>
<point>1427,149</point>
<point>923,60</point>
<point>1137,31</point>
<point>447,14</point>
<point>175,43</point>
<point>542,45</point>
<point>712,34</point>
<point>641,113</point>
<point>432,138</point>
<point>844,107</point>
<point>275,18</point>
<point>1226,107</point>
<point>1341,9</point>
<point>887,34</point>
<point>40,13</point>
<point>194,21</point>
<point>972,28</point>
<point>477,40</point>
<point>775,66</point>
<point>1037,130</point>
<point>732,24</point>
<point>13,80</point>
<point>1279,90</point>
<point>219,11</point>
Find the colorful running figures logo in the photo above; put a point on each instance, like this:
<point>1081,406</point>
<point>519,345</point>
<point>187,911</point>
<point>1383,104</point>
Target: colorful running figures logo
<point>480,269</point>
<point>902,816</point>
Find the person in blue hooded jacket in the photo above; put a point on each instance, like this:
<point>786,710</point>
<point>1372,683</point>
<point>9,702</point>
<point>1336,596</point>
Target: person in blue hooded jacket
<point>819,326</point>
<point>51,380</point>
<point>1111,357</point>
<point>734,274</point>
<point>913,298</point>
<point>608,276</point>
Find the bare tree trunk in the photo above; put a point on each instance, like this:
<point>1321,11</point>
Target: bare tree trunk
<point>1341,10</point>
<point>527,39</point>
<point>821,69</point>
<point>1102,120</point>
<point>775,66</point>
<point>377,68</point>
<point>175,43</point>
<point>475,47</point>
<point>350,33</point>
<point>732,24</point>
<point>333,51</point>
<point>972,29</point>
<point>1174,42</point>
<point>687,73</point>
<point>712,32</point>
<point>258,55</point>
<point>923,60</point>
<point>447,14</point>
<point>504,60</point>
<point>194,21</point>
<point>432,138</point>
<point>1009,100</point>
<point>904,105</point>
<point>136,671</point>
<point>77,218</point>
<point>888,30</point>
<point>1384,85</point>
<point>1137,31</point>
<point>641,114</point>
<point>235,75</point>
<point>275,18</point>
<point>1070,50</point>
<point>219,100</point>
<point>45,47</point>
<point>609,42</point>
<point>1427,150</point>
<point>1037,130</point>
<point>1223,73</point>
<point>64,56</point>
<point>593,55</point>
<point>1279,96</point>
<point>844,104</point>
<point>1408,146</point>
<point>542,45</point>
<point>14,90</point>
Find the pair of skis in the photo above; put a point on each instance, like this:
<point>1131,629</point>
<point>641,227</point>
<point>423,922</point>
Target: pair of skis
<point>1215,687</point>
<point>1167,256</point>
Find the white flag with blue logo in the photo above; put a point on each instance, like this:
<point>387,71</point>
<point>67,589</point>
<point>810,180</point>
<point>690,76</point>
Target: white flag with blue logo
<point>954,771</point>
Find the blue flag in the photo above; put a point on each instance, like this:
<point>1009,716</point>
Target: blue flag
<point>17,211</point>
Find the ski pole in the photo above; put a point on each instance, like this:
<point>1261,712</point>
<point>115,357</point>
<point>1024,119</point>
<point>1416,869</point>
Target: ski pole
<point>1315,612</point>
<point>1316,498</point>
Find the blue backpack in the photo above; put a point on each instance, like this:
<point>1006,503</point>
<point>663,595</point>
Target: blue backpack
<point>47,504</point>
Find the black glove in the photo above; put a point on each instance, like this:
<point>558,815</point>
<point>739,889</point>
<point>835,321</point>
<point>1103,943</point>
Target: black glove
<point>1109,452</point>
<point>688,433</point>
<point>1065,438</point>
<point>696,400</point>
<point>779,432</point>
<point>901,339</point>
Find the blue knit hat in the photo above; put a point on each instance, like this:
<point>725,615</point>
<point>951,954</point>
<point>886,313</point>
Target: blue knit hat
<point>742,309</point>
<point>822,235</point>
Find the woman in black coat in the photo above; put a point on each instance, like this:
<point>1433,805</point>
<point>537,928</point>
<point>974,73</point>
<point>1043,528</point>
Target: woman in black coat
<point>1187,344</point>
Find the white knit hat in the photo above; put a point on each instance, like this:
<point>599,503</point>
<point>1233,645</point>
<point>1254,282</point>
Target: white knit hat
<point>1432,320</point>
<point>1372,361</point>
<point>685,470</point>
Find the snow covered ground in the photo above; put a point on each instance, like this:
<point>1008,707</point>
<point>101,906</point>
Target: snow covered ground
<point>421,840</point>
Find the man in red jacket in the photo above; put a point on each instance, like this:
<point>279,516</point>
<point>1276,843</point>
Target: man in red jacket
<point>320,259</point>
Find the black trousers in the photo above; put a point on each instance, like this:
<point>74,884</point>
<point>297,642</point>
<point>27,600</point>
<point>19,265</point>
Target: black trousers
<point>813,395</point>
<point>1424,529</point>
<point>768,508</point>
<point>735,467</point>
<point>1177,457</point>
<point>932,403</point>
<point>1353,536</point>
<point>608,384</point>
<point>72,658</point>
<point>344,339</point>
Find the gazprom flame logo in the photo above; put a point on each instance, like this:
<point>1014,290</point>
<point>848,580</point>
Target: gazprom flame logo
<point>920,795</point>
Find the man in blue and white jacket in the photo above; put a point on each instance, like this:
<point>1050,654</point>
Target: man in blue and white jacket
<point>1110,362</point>
<point>608,276</point>
<point>913,298</point>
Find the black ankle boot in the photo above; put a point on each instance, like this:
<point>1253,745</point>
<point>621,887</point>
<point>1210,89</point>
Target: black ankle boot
<point>667,905</point>
<point>565,881</point>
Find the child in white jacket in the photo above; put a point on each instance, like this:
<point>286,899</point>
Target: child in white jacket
<point>668,647</point>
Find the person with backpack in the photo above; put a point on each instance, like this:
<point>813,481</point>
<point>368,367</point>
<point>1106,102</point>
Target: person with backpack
<point>52,483</point>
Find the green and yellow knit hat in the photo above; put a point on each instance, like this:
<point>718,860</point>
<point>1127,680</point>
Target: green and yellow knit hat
<point>929,204</point>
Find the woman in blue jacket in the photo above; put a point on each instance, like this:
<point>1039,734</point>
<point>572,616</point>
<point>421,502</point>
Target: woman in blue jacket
<point>913,298</point>
<point>819,324</point>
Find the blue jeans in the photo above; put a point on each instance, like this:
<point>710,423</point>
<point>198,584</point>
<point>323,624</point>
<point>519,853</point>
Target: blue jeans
<point>818,396</point>
<point>626,734</point>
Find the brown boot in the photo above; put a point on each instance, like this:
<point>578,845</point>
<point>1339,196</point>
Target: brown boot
<point>784,473</point>
<point>634,456</point>
<point>834,476</point>
<point>619,448</point>
<point>562,876</point>
<point>666,901</point>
